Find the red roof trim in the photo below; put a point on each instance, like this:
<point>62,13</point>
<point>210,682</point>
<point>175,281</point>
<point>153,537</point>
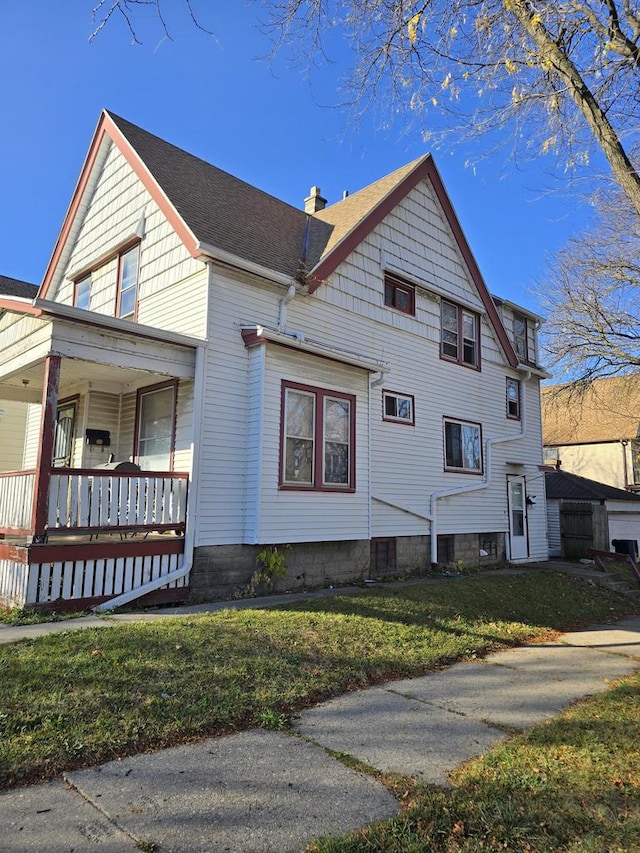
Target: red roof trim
<point>19,307</point>
<point>107,127</point>
<point>426,168</point>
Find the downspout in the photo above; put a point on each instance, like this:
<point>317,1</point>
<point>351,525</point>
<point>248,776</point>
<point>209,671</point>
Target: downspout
<point>485,482</point>
<point>625,464</point>
<point>192,500</point>
<point>282,310</point>
<point>373,383</point>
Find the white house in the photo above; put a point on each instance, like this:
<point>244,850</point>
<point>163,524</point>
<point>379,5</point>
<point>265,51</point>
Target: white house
<point>336,378</point>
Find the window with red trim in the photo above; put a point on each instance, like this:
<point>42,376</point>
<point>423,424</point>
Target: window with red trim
<point>459,334</point>
<point>513,399</point>
<point>462,446</point>
<point>128,266</point>
<point>399,295</point>
<point>520,336</point>
<point>318,438</point>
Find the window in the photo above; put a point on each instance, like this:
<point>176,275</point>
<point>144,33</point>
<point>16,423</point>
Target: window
<point>82,293</point>
<point>383,556</point>
<point>551,456</point>
<point>63,437</point>
<point>399,295</point>
<point>318,437</point>
<point>156,427</point>
<point>397,407</point>
<point>459,339</point>
<point>462,450</point>
<point>520,334</point>
<point>127,298</point>
<point>513,399</point>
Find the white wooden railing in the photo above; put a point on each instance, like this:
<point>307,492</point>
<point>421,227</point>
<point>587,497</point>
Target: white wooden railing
<point>16,500</point>
<point>90,499</point>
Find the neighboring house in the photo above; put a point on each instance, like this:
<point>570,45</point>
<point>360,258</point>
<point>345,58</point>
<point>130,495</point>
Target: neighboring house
<point>13,413</point>
<point>595,432</point>
<point>337,378</point>
<point>584,514</point>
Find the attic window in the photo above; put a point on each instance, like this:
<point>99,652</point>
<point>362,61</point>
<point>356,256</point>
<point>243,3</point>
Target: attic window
<point>127,297</point>
<point>399,295</point>
<point>82,293</point>
<point>520,335</point>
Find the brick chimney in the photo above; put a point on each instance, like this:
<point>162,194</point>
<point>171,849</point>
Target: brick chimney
<point>314,201</point>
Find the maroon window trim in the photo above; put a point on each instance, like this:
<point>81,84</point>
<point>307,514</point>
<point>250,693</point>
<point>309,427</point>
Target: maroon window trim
<point>400,295</point>
<point>461,469</point>
<point>387,393</point>
<point>318,484</point>
<point>513,411</point>
<point>171,383</point>
<point>459,358</point>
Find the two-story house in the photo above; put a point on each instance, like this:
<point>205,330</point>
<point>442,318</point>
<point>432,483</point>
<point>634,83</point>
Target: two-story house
<point>208,371</point>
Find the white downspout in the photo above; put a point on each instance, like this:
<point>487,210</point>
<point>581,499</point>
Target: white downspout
<point>282,308</point>
<point>486,480</point>
<point>373,383</point>
<point>192,500</point>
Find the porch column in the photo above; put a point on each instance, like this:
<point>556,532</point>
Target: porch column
<point>45,452</point>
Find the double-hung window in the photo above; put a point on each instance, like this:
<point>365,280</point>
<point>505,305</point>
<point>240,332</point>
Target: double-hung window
<point>459,334</point>
<point>462,446</point>
<point>513,399</point>
<point>318,439</point>
<point>520,336</point>
<point>128,265</point>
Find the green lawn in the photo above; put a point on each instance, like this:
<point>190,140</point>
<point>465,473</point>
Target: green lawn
<point>81,697</point>
<point>571,784</point>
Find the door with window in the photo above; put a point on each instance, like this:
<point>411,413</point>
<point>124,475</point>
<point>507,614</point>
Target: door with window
<point>63,438</point>
<point>155,428</point>
<point>518,539</point>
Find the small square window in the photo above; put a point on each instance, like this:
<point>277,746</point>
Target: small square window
<point>397,407</point>
<point>513,399</point>
<point>399,295</point>
<point>463,446</point>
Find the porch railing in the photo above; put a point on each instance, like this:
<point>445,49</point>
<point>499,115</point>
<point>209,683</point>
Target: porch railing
<point>93,500</point>
<point>16,500</point>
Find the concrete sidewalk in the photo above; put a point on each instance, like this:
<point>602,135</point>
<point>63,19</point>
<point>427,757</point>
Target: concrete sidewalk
<point>273,792</point>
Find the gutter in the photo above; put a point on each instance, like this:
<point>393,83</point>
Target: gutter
<point>231,260</point>
<point>192,502</point>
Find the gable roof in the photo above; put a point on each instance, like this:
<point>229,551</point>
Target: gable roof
<point>16,287</point>
<point>563,485</point>
<point>212,210</point>
<point>607,410</point>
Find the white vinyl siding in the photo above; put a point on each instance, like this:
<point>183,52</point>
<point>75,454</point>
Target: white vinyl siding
<point>13,422</point>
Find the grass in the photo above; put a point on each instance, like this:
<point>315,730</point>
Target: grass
<point>82,697</point>
<point>571,784</point>
<point>27,616</point>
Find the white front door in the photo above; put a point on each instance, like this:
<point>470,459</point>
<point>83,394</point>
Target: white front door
<point>518,544</point>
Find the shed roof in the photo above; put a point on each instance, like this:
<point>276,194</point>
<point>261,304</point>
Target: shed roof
<point>562,484</point>
<point>16,287</point>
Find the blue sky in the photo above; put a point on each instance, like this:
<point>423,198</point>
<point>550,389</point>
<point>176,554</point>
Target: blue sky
<point>269,125</point>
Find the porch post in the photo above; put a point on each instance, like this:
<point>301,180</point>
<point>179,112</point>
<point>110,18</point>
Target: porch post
<point>45,452</point>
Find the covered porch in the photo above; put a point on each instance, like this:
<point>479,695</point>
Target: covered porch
<point>94,493</point>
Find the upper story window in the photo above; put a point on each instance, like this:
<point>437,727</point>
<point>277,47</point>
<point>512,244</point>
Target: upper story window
<point>462,446</point>
<point>127,293</point>
<point>82,293</point>
<point>520,336</point>
<point>513,398</point>
<point>460,334</point>
<point>397,407</point>
<point>318,439</point>
<point>399,295</point>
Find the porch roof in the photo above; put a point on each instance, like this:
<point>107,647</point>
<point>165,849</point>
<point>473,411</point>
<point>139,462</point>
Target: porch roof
<point>117,350</point>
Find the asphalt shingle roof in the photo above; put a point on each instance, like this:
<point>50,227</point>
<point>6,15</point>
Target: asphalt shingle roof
<point>562,484</point>
<point>16,287</point>
<point>607,410</point>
